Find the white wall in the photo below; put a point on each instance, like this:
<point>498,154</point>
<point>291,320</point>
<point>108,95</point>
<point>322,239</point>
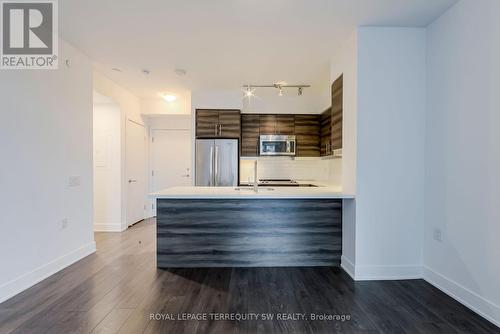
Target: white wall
<point>390,158</point>
<point>107,167</point>
<point>345,63</point>
<point>462,187</point>
<point>46,136</point>
<point>267,101</point>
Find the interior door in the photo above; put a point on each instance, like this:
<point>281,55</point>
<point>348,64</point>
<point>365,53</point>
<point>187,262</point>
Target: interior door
<point>170,159</point>
<point>135,171</point>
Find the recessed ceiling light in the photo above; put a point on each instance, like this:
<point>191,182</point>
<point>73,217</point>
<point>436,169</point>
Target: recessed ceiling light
<point>180,71</point>
<point>116,69</point>
<point>169,97</point>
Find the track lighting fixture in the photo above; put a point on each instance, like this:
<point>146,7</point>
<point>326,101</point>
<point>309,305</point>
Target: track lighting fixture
<point>279,86</point>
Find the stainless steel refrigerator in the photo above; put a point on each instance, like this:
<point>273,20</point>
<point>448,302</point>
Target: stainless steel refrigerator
<point>217,162</point>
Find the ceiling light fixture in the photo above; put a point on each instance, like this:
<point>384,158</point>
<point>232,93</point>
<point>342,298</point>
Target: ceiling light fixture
<point>116,69</point>
<point>146,71</point>
<point>169,97</point>
<point>279,85</point>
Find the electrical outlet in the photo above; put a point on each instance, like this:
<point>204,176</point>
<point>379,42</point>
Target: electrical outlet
<point>438,235</point>
<point>64,223</point>
<point>73,181</point>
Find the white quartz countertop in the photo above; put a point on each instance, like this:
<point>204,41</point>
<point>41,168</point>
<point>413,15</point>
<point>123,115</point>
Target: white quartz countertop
<point>248,192</point>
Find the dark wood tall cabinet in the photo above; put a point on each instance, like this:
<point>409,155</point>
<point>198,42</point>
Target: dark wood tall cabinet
<point>250,132</point>
<point>307,131</point>
<point>212,123</point>
<point>337,112</point>
<point>331,121</point>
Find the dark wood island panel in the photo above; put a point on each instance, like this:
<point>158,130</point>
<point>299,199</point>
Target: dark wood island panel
<point>248,232</point>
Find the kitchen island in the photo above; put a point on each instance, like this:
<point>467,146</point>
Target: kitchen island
<point>238,227</point>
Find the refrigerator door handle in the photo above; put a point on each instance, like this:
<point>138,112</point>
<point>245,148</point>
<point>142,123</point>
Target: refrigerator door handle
<point>211,166</point>
<point>216,166</point>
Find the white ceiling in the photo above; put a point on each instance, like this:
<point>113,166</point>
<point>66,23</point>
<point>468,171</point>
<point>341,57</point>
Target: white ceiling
<point>225,43</point>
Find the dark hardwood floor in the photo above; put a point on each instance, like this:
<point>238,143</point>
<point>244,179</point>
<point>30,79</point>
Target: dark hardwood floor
<point>117,289</point>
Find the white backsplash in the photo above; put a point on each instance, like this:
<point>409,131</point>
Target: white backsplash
<point>297,169</point>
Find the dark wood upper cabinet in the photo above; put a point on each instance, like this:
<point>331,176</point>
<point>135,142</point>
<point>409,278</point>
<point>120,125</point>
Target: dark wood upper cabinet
<point>331,121</point>
<point>337,112</point>
<point>230,124</point>
<point>285,124</point>
<point>277,124</point>
<point>307,132</point>
<point>267,124</point>
<point>218,123</point>
<point>326,132</point>
<point>207,122</point>
<point>250,132</point>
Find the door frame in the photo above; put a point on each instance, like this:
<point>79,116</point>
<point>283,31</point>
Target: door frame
<point>126,174</point>
<point>167,122</point>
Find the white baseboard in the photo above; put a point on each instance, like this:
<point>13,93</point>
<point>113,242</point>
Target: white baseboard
<point>348,266</point>
<point>25,281</point>
<point>482,306</point>
<point>109,227</point>
<point>375,273</point>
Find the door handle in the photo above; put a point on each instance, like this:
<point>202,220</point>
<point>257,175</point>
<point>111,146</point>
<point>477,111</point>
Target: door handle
<point>130,181</point>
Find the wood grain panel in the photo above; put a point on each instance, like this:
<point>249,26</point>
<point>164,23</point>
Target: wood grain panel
<point>285,124</point>
<point>307,130</point>
<point>250,135</point>
<point>249,233</point>
<point>206,123</point>
<point>230,123</point>
<point>326,132</point>
<point>337,113</point>
<point>267,124</point>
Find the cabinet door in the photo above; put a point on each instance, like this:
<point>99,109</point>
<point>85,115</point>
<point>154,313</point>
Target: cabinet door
<point>229,124</point>
<point>207,122</point>
<point>326,132</point>
<point>250,135</point>
<point>285,124</point>
<point>267,124</point>
<point>337,111</point>
<point>307,131</point>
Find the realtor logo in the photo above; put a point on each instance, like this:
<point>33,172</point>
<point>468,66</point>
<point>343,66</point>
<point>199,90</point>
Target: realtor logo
<point>29,34</point>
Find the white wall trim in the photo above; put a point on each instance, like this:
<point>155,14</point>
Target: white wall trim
<point>27,280</point>
<point>109,227</point>
<point>482,306</point>
<point>348,266</point>
<point>374,273</point>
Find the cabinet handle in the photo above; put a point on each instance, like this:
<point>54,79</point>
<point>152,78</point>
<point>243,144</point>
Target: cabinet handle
<point>220,129</point>
<point>215,129</point>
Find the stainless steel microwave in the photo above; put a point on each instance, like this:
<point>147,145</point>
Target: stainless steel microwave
<point>277,145</point>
